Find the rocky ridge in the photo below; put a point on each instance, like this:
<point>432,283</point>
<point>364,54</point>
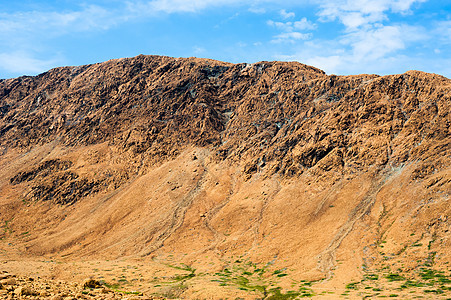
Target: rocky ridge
<point>277,117</point>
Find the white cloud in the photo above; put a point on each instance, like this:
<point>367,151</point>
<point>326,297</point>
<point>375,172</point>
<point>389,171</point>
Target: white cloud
<point>304,24</point>
<point>194,6</point>
<point>354,19</point>
<point>330,64</point>
<point>291,37</point>
<point>24,63</point>
<point>374,43</point>
<point>176,6</point>
<point>287,15</point>
<point>24,36</point>
<point>380,41</point>
<point>280,25</point>
<point>369,39</point>
<point>199,50</point>
<point>356,13</point>
<point>352,13</point>
<point>370,50</point>
<point>257,10</point>
<point>290,30</point>
<point>369,43</point>
<point>443,30</point>
<point>403,6</point>
<point>56,23</point>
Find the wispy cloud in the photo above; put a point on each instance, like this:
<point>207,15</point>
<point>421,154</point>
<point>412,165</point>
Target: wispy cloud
<point>369,40</point>
<point>199,50</point>
<point>291,37</point>
<point>25,63</point>
<point>290,30</point>
<point>88,18</point>
<point>443,30</point>
<point>371,48</point>
<point>356,13</point>
<point>176,6</point>
<point>286,15</point>
<point>360,34</point>
<point>303,24</point>
<point>377,42</point>
<point>257,10</point>
<point>24,36</point>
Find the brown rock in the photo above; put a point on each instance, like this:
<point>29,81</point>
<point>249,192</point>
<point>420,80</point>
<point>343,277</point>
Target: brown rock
<point>4,276</point>
<point>91,284</point>
<point>99,291</point>
<point>23,291</point>
<point>8,281</point>
<point>44,294</point>
<point>80,296</point>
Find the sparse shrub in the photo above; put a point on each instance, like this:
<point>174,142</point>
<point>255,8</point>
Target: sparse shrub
<point>352,286</point>
<point>394,277</point>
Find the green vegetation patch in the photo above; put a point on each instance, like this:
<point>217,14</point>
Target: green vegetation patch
<point>276,294</point>
<point>247,276</point>
<point>371,277</point>
<point>394,277</point>
<point>352,286</point>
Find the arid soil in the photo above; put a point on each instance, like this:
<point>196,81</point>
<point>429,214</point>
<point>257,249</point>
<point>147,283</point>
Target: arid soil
<point>15,287</point>
<point>197,179</point>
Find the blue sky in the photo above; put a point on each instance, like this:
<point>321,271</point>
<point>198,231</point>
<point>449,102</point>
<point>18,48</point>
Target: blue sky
<point>339,36</point>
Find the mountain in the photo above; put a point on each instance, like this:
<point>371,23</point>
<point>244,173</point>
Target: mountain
<point>334,180</point>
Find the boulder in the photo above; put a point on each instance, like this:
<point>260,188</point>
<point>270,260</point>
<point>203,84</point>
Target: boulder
<point>91,284</point>
<point>23,291</point>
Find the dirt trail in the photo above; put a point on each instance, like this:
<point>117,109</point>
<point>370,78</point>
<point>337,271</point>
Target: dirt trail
<point>180,209</point>
<point>218,237</point>
<point>327,260</point>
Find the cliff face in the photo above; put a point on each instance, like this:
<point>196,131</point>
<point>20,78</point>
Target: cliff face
<point>140,156</point>
<point>277,117</point>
